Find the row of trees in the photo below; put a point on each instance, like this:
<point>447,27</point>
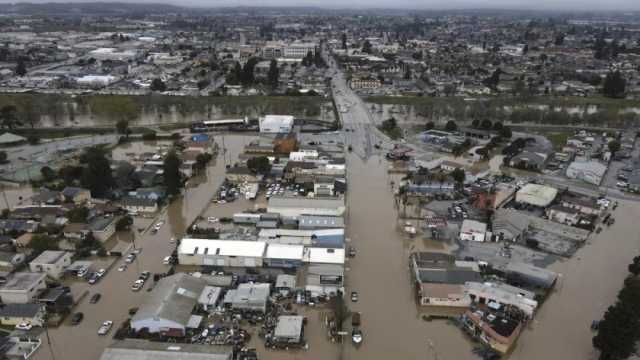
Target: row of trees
<point>95,173</point>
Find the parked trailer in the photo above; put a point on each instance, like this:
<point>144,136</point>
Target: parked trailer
<point>246,218</point>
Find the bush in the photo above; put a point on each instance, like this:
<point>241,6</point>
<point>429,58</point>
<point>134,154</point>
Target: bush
<point>149,136</point>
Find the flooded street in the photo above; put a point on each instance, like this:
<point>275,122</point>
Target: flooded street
<point>590,283</point>
<point>81,342</point>
<point>391,321</point>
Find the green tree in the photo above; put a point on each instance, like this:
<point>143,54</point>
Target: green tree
<point>614,85</point>
<point>614,146</point>
<point>430,125</point>
<point>48,174</point>
<point>506,132</point>
<point>42,242</point>
<point>9,117</point>
<point>96,176</point>
<point>497,126</point>
<point>486,124</point>
<point>158,85</point>
<point>458,175</point>
<point>273,76</point>
<point>202,160</point>
<point>3,157</point>
<point>247,77</point>
<point>634,267</point>
<point>366,47</point>
<point>78,214</point>
<point>124,223</point>
<point>343,39</point>
<point>122,127</point>
<point>259,165</point>
<point>172,175</point>
<point>451,126</point>
<point>21,68</point>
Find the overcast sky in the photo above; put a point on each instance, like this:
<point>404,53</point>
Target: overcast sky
<point>578,5</point>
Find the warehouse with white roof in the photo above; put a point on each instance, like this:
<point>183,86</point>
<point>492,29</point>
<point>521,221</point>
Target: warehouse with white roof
<point>231,253</point>
<point>276,124</point>
<point>285,256</point>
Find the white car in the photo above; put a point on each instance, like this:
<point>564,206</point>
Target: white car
<point>212,219</point>
<point>101,272</point>
<point>122,267</point>
<point>24,326</point>
<point>622,184</point>
<point>105,327</point>
<point>137,285</point>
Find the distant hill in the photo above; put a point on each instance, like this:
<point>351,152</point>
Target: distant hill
<point>94,8</point>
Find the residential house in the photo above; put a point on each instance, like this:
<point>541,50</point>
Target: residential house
<point>494,329</point>
<point>46,197</point>
<point>563,215</point>
<point>472,230</point>
<point>134,204</point>
<point>14,314</point>
<point>76,195</point>
<point>103,227</point>
<point>10,260</point>
<point>51,262</point>
<point>22,287</point>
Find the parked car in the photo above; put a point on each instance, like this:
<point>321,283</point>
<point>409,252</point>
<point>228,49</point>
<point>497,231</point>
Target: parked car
<point>137,285</point>
<point>354,296</point>
<point>101,272</point>
<point>93,278</point>
<point>352,251</point>
<point>145,275</point>
<point>24,326</point>
<point>77,318</point>
<point>122,267</point>
<point>105,327</point>
<point>95,298</point>
<point>130,258</point>
<point>212,219</point>
<point>167,260</point>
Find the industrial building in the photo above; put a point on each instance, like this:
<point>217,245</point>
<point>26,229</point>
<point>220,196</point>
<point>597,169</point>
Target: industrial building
<point>168,308</point>
<point>248,296</point>
<point>472,230</point>
<point>590,172</point>
<point>537,195</point>
<point>135,349</point>
<point>297,206</point>
<point>275,124</point>
<point>232,253</point>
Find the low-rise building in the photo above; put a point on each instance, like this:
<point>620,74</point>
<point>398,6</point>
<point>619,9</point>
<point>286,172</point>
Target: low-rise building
<point>135,349</point>
<point>289,330</point>
<point>563,215</point>
<point>14,314</point>
<point>252,297</point>
<point>135,204</point>
<point>76,195</point>
<point>230,253</point>
<point>22,287</point>
<point>500,298</point>
<point>296,206</point>
<point>494,329</point>
<point>167,310</point>
<point>537,195</point>
<point>472,230</point>
<point>591,172</point>
<point>275,124</point>
<point>51,262</point>
<point>103,227</point>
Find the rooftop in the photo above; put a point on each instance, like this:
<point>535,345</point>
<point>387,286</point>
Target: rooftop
<point>222,247</point>
<point>49,257</point>
<point>133,349</point>
<point>21,281</point>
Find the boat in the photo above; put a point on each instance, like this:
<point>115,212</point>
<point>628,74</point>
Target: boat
<point>356,336</point>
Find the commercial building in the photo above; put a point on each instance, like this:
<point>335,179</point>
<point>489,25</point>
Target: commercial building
<point>289,329</point>
<point>530,275</point>
<point>472,230</point>
<point>247,296</point>
<point>327,238</point>
<point>209,297</point>
<point>297,206</point>
<point>103,228</point>
<point>275,124</point>
<point>139,205</point>
<point>135,349</point>
<point>563,215</point>
<point>318,256</point>
<point>22,287</point>
<point>299,50</point>
<point>284,256</point>
<point>310,222</point>
<point>325,279</point>
<point>51,262</point>
<point>448,295</point>
<point>591,172</point>
<point>231,253</point>
<point>500,298</point>
<point>537,195</point>
<point>494,329</point>
<point>167,310</point>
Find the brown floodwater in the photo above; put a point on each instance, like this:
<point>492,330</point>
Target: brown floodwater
<point>391,320</point>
